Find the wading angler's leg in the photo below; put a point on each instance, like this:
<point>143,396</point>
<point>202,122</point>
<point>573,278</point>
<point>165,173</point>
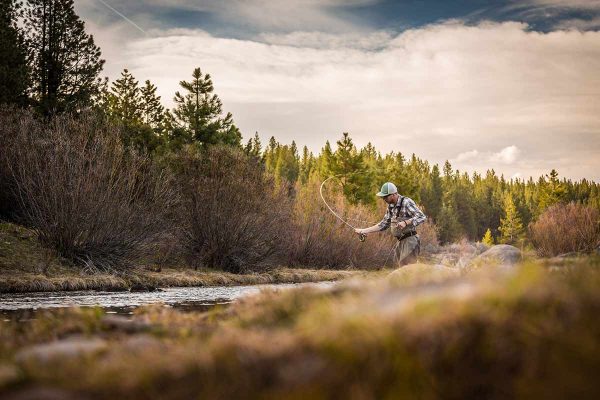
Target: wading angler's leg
<point>408,250</point>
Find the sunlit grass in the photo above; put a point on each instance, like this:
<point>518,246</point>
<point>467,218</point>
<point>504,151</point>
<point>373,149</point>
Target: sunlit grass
<point>527,332</point>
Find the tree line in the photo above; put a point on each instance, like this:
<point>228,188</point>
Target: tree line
<point>48,63</point>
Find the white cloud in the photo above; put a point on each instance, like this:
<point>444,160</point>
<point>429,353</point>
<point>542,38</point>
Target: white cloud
<point>436,91</point>
<point>507,155</point>
<point>467,155</point>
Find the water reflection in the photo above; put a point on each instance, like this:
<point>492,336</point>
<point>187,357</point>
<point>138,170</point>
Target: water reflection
<point>23,306</point>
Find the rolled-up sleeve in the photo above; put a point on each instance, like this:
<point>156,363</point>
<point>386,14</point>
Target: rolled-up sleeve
<point>415,213</point>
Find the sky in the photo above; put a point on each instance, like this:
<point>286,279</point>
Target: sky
<point>511,85</point>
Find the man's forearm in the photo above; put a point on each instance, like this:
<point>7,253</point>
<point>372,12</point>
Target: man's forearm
<point>371,229</point>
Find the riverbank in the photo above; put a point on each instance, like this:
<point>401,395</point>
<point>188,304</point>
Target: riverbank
<point>147,280</point>
<point>25,266</point>
<point>526,332</point>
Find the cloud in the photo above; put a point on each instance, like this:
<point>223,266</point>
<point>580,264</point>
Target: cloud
<point>473,158</point>
<point>250,15</point>
<point>467,155</point>
<point>580,24</point>
<point>437,91</point>
<point>561,14</point>
<point>577,4</point>
<point>507,155</point>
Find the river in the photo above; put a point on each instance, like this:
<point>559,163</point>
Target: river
<point>25,305</point>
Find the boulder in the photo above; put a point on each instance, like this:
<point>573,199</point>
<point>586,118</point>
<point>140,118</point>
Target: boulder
<point>501,254</point>
<point>67,348</point>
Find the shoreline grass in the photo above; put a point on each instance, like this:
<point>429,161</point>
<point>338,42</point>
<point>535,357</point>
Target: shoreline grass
<point>25,266</point>
<point>527,333</point>
<point>146,280</point>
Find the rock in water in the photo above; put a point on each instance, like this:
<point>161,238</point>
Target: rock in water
<point>503,254</point>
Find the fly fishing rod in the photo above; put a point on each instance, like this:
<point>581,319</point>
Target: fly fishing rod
<point>361,236</point>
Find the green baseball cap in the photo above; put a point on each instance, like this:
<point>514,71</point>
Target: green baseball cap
<point>387,189</point>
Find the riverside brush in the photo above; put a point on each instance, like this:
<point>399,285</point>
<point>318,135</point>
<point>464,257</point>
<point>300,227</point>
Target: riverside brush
<point>361,236</point>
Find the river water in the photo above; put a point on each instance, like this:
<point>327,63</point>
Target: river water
<point>25,305</point>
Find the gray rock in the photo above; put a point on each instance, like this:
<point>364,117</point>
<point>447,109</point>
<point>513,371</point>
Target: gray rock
<point>67,348</point>
<point>480,247</point>
<point>503,254</point>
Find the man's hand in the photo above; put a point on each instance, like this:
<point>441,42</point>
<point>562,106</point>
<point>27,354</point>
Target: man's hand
<point>358,230</point>
<point>404,224</point>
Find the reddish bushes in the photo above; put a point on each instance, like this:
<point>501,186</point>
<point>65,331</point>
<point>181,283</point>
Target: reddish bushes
<point>82,192</point>
<point>318,239</point>
<point>231,217</point>
<point>565,228</point>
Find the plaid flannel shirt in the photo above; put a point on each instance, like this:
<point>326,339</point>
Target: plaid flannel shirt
<point>409,209</point>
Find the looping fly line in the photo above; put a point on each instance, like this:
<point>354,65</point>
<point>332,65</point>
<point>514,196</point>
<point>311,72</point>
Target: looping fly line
<point>361,236</point>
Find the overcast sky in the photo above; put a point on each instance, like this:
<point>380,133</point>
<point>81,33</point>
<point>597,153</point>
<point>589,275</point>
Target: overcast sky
<point>509,85</point>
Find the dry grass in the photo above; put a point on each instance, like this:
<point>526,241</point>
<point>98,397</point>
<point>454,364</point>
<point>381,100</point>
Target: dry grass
<point>565,228</point>
<point>318,239</point>
<point>26,266</point>
<point>529,334</point>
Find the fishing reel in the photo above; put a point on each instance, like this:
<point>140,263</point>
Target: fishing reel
<point>362,237</point>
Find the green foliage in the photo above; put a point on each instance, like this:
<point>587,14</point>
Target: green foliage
<point>511,225</point>
<point>64,60</point>
<point>348,165</point>
<point>137,110</point>
<point>198,114</point>
<point>14,72</point>
<point>553,191</point>
<point>487,238</point>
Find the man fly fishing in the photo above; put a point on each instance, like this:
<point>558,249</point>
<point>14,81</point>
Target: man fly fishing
<point>403,216</point>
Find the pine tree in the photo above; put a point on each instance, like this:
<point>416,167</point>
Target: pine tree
<point>511,225</point>
<point>153,112</point>
<point>199,113</point>
<point>326,161</point>
<point>65,61</point>
<point>449,227</point>
<point>487,238</point>
<point>434,195</point>
<point>306,165</point>
<point>14,72</point>
<point>125,100</point>
<point>254,147</point>
<point>349,166</point>
<point>287,165</point>
<point>552,191</point>
<point>138,111</point>
<point>271,155</point>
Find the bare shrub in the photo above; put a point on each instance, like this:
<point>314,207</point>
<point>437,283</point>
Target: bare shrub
<point>321,240</point>
<point>233,218</point>
<point>565,228</point>
<point>428,233</point>
<point>9,204</point>
<point>82,192</point>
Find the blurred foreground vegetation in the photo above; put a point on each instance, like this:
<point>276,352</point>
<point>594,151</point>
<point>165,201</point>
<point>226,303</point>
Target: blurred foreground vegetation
<point>528,332</point>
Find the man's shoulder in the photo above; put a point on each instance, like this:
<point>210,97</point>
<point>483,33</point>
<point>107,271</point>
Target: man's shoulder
<point>405,200</point>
